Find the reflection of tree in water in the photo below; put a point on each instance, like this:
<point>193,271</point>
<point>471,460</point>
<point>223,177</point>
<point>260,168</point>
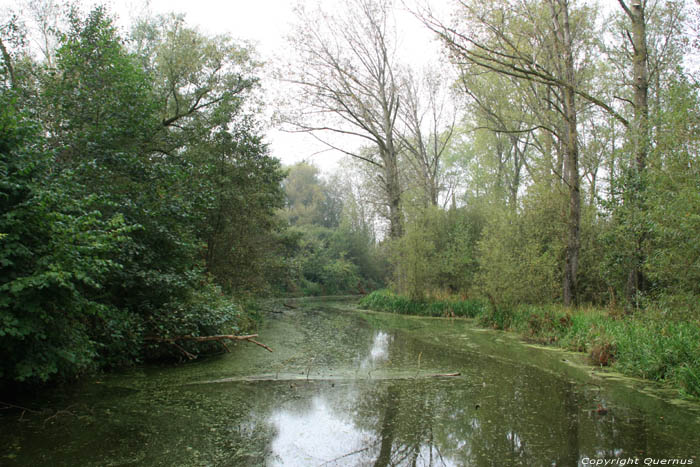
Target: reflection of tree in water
<point>402,417</point>
<point>497,413</point>
<point>513,419</point>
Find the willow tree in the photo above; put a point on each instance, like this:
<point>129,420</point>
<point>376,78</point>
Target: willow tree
<point>647,56</point>
<point>346,85</point>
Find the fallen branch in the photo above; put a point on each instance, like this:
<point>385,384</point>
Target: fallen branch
<point>7,405</point>
<point>442,375</point>
<point>252,341</point>
<point>219,338</point>
<point>290,306</point>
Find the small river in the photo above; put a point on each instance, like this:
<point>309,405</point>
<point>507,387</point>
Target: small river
<point>344,388</point>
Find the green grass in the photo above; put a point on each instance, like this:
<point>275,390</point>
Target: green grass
<point>385,300</point>
<point>645,345</point>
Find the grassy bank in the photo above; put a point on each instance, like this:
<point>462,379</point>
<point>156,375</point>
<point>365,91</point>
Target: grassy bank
<point>643,345</point>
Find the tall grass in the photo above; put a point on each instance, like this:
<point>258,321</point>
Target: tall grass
<point>385,300</point>
<point>644,345</point>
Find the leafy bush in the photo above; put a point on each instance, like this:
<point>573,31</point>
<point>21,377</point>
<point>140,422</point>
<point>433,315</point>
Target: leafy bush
<point>55,255</point>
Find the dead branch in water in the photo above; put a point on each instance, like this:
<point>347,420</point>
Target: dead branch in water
<point>219,338</point>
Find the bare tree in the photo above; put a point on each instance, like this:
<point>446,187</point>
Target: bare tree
<point>428,115</point>
<point>347,86</point>
<point>507,116</point>
<point>45,16</point>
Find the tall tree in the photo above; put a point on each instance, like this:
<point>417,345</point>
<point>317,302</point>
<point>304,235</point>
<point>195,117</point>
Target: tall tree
<point>639,135</point>
<point>567,74</point>
<point>346,76</point>
<point>428,115</point>
<point>531,41</point>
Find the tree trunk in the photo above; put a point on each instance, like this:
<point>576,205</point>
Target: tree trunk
<point>560,13</point>
<point>393,192</point>
<point>640,140</point>
<point>8,64</point>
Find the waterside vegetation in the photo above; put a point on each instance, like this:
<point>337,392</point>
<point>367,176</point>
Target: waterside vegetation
<point>646,346</point>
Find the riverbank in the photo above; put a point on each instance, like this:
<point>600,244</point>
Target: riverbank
<point>645,345</point>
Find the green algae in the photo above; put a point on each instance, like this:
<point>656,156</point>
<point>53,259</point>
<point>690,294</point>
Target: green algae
<point>346,387</point>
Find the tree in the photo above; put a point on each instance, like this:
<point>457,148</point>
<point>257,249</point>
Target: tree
<point>309,199</point>
<point>428,115</point>
<point>119,190</point>
<point>347,85</point>
<point>647,54</point>
<point>196,76</point>
<point>238,189</point>
<point>672,200</point>
<point>502,129</point>
<point>56,256</point>
<point>531,41</point>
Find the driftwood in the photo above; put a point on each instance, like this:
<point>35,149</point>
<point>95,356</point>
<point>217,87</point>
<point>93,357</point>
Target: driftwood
<point>220,338</point>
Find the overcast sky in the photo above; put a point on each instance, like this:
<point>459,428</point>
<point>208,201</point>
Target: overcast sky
<point>265,23</point>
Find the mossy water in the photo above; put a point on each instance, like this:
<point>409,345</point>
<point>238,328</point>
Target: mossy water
<point>345,387</point>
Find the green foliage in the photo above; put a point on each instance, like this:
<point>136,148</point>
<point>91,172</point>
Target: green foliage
<point>129,187</point>
<point>99,105</point>
<point>309,199</point>
<point>519,253</point>
<point>236,179</point>
<point>385,300</point>
<point>437,252</point>
<point>673,217</point>
<point>320,264</point>
<point>329,248</point>
<point>55,257</point>
<point>647,346</point>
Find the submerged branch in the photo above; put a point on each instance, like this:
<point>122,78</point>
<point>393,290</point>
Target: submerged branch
<point>219,338</point>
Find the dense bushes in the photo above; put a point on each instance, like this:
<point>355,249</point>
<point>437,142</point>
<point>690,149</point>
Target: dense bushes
<point>438,252</point>
<point>124,205</point>
<point>330,247</point>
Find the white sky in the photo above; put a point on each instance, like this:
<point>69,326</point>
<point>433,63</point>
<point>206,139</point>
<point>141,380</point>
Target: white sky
<point>265,23</point>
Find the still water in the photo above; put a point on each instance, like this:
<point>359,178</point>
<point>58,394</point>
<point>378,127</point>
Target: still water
<point>345,388</point>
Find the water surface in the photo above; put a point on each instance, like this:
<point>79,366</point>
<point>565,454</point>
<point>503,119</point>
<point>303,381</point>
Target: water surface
<point>356,388</point>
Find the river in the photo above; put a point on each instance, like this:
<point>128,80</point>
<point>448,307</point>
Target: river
<point>345,387</point>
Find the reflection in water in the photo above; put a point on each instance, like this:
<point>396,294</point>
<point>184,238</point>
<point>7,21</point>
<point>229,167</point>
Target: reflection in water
<point>498,412</point>
<point>379,350</point>
<point>355,424</point>
<point>301,435</point>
